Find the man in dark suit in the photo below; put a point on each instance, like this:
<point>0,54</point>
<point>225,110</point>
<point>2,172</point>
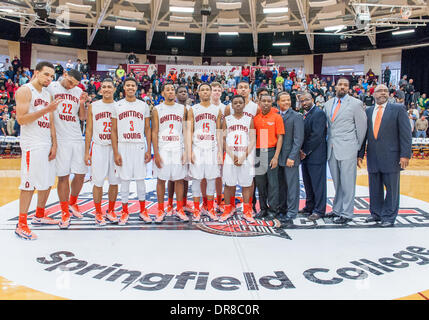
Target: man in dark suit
<point>289,159</point>
<point>314,158</point>
<point>388,152</point>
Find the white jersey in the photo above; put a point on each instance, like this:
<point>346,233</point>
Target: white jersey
<point>250,109</point>
<point>37,134</point>
<point>205,120</point>
<point>131,120</point>
<point>222,107</point>
<point>237,136</point>
<point>67,123</point>
<point>170,134</point>
<point>102,122</point>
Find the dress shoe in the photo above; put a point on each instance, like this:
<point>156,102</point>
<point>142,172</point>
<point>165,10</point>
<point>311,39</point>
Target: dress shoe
<point>304,211</point>
<point>286,222</point>
<point>341,220</point>
<point>331,215</point>
<point>280,216</point>
<point>314,216</point>
<point>262,214</point>
<point>371,219</point>
<point>387,224</point>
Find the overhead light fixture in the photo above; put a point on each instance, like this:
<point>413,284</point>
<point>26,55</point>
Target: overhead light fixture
<point>228,33</point>
<point>335,28</point>
<point>182,9</point>
<point>62,33</point>
<point>176,37</point>
<point>403,32</point>
<point>344,70</point>
<point>126,28</point>
<point>276,10</point>
<point>281,44</point>
<point>7,10</point>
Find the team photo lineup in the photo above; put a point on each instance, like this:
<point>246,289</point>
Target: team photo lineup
<point>257,145</point>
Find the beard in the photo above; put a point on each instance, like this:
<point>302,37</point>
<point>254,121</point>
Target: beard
<point>341,94</point>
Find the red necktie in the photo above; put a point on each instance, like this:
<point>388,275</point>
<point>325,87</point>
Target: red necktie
<point>336,110</point>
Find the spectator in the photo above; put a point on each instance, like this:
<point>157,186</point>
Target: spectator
<point>11,125</point>
<point>403,82</point>
<point>16,63</point>
<point>3,125</point>
<point>386,76</point>
<point>120,72</point>
<point>263,61</point>
<point>132,58</point>
<point>85,67</point>
<point>59,70</point>
<point>423,102</point>
<point>237,76</point>
<point>69,65</point>
<point>9,73</point>
<point>421,127</point>
<point>245,73</point>
<point>270,61</point>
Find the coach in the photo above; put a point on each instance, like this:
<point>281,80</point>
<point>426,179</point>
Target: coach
<point>346,131</point>
<point>388,152</point>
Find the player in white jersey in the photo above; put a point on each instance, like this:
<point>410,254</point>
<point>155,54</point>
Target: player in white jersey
<point>250,110</point>
<point>71,144</point>
<point>131,141</point>
<point>34,112</point>
<point>182,97</point>
<point>238,168</point>
<point>99,152</point>
<point>168,134</point>
<point>205,149</point>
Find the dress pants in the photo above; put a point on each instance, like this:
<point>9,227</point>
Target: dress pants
<point>384,208</point>
<point>314,177</point>
<point>266,180</point>
<point>344,177</point>
<point>289,191</point>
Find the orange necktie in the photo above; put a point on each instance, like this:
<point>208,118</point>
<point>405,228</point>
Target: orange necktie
<point>378,121</point>
<point>336,110</point>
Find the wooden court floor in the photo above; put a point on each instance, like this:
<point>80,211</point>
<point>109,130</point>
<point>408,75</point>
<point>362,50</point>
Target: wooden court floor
<point>414,183</point>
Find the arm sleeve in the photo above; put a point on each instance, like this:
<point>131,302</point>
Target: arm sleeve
<point>317,135</point>
<point>405,138</point>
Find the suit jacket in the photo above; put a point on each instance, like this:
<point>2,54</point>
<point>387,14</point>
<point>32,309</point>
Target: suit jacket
<point>347,132</point>
<point>293,138</point>
<point>315,130</point>
<point>393,142</point>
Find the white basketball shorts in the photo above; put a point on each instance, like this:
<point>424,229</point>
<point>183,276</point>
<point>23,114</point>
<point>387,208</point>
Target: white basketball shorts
<point>133,165</point>
<point>37,172</point>
<point>205,164</point>
<point>71,158</point>
<point>103,165</point>
<point>172,167</point>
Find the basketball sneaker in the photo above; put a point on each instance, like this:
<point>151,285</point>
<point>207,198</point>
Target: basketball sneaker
<point>212,214</point>
<point>23,232</point>
<point>247,214</point>
<point>160,216</point>
<point>123,219</point>
<point>145,217</point>
<point>220,208</point>
<point>169,210</point>
<point>182,215</point>
<point>74,209</point>
<point>65,220</point>
<point>196,215</point>
<point>228,213</point>
<point>111,216</point>
<point>99,219</point>
<point>44,220</point>
<point>187,208</point>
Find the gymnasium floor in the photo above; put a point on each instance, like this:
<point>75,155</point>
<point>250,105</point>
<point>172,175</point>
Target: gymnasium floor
<point>240,254</point>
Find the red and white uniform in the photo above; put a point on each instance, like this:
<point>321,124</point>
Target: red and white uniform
<point>37,172</point>
<point>131,138</point>
<point>102,160</point>
<point>170,142</point>
<point>71,143</point>
<point>204,142</point>
<point>238,137</point>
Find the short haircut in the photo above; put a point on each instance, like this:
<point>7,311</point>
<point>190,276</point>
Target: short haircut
<point>264,95</point>
<point>130,79</point>
<point>215,84</point>
<point>75,74</point>
<point>262,89</point>
<point>343,78</point>
<point>243,81</point>
<point>204,84</point>
<point>237,96</point>
<point>42,64</point>
<point>108,80</point>
<point>166,84</point>
<point>280,94</point>
<point>181,87</point>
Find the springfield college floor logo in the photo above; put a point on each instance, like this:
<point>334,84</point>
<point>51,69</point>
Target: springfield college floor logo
<point>212,260</point>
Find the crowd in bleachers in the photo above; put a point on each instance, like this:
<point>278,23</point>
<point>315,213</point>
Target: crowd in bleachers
<point>293,81</point>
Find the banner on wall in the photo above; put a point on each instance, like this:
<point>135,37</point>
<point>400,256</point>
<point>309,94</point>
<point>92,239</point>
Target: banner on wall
<point>137,69</point>
<point>190,70</point>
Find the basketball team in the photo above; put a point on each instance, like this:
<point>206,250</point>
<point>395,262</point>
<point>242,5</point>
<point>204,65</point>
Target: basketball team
<point>209,144</point>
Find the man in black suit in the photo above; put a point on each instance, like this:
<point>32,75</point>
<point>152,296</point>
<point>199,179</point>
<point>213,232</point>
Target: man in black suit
<point>289,159</point>
<point>388,152</point>
<point>314,158</point>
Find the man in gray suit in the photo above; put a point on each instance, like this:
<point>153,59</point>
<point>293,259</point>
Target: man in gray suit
<point>347,126</point>
<point>289,159</point>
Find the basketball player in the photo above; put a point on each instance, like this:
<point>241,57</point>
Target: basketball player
<point>34,112</point>
<point>71,145</point>
<point>239,141</point>
<point>182,97</point>
<point>168,134</point>
<point>130,128</point>
<point>206,151</point>
<point>250,110</point>
<point>100,155</point>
